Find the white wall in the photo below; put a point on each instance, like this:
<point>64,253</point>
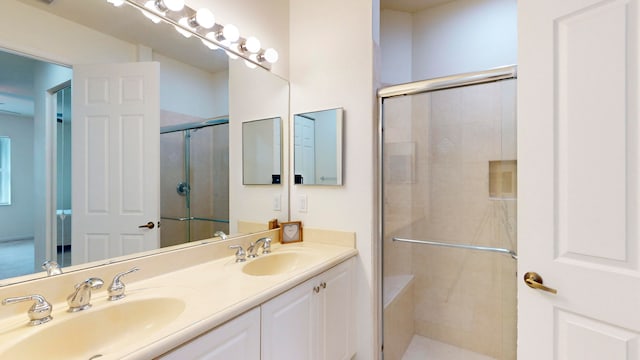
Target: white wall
<point>455,37</point>
<point>26,29</point>
<point>463,36</point>
<point>396,40</point>
<point>207,95</point>
<point>331,65</point>
<point>16,220</point>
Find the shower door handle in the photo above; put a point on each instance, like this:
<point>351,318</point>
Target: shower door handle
<point>534,281</point>
<point>149,225</point>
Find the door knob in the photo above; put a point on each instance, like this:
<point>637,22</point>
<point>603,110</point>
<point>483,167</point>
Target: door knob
<point>149,225</point>
<point>533,280</point>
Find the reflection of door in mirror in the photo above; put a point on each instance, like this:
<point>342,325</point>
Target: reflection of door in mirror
<point>63,176</point>
<point>115,163</point>
<point>24,238</point>
<point>305,147</point>
<point>318,147</point>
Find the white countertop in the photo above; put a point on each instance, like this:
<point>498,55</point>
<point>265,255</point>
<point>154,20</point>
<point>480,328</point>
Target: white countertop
<point>213,292</point>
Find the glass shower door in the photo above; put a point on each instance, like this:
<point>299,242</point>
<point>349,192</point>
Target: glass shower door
<point>209,179</point>
<point>449,223</point>
<point>194,184</point>
<point>174,189</point>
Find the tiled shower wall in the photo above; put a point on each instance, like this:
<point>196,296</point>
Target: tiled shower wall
<point>209,173</point>
<point>438,147</point>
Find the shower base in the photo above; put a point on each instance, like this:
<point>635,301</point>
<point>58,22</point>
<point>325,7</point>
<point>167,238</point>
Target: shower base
<point>422,348</point>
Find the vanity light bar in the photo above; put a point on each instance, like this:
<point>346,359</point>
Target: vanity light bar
<point>212,34</point>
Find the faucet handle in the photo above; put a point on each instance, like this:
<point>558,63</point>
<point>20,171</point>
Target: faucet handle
<point>116,289</point>
<point>240,253</point>
<point>80,299</point>
<point>51,267</point>
<point>39,312</point>
<point>93,283</point>
<point>266,245</point>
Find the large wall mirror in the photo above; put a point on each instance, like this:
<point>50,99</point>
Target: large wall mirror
<point>198,133</point>
<point>318,147</point>
<point>262,152</point>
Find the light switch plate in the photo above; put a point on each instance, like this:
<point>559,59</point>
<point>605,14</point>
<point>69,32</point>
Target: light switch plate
<point>276,202</point>
<point>302,203</point>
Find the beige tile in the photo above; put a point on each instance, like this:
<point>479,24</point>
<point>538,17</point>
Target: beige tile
<point>399,324</point>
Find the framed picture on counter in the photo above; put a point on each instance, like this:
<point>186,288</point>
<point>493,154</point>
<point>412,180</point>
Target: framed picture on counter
<point>290,232</point>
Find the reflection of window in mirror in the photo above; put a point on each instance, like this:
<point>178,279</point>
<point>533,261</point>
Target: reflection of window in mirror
<point>5,170</point>
<point>318,148</point>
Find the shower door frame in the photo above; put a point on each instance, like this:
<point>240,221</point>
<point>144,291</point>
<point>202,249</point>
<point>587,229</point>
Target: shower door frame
<point>414,88</point>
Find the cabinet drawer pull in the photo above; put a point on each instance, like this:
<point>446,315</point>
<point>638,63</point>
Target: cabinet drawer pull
<point>316,289</point>
<point>323,285</point>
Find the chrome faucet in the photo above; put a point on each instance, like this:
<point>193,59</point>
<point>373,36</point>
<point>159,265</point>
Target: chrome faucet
<point>81,298</point>
<point>116,289</point>
<point>39,312</point>
<point>252,250</point>
<point>221,234</point>
<point>240,254</point>
<point>51,267</point>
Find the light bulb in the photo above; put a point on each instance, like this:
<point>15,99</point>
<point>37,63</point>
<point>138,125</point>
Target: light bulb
<point>231,33</point>
<point>174,5</point>
<point>209,44</point>
<point>116,2</point>
<point>184,22</point>
<point>204,18</point>
<point>271,55</point>
<point>151,6</point>
<point>250,65</point>
<point>252,44</point>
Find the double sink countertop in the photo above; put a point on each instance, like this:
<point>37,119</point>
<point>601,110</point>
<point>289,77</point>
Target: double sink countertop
<point>166,304</point>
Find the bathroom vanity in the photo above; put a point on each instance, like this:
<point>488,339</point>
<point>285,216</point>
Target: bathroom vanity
<point>296,302</point>
<point>311,321</point>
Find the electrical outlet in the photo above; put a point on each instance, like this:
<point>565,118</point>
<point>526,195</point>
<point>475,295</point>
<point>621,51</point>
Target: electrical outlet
<point>276,202</point>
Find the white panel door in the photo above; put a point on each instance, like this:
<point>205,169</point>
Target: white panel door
<point>115,160</point>
<point>578,179</point>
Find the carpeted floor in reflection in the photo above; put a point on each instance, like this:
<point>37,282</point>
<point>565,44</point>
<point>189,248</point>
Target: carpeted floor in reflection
<point>16,258</point>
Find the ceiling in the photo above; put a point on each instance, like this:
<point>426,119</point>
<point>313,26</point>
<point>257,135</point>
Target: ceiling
<point>410,6</point>
<point>125,23</point>
<point>16,85</point>
<point>128,24</point>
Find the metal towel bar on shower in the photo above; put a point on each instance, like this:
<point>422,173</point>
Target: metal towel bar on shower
<point>194,218</point>
<point>460,246</point>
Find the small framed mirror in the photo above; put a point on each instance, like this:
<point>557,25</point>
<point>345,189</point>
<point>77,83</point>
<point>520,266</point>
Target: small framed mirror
<point>318,147</point>
<point>262,151</point>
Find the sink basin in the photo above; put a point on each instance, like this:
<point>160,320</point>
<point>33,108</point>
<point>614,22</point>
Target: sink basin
<point>97,331</point>
<point>278,263</point>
